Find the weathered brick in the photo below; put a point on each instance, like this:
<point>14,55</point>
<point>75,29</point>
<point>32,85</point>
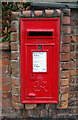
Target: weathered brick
<point>27,13</point>
<point>71,95</point>
<point>17,106</point>
<point>66,11</point>
<point>16,98</point>
<point>6,87</point>
<point>73,55</point>
<point>14,36</point>
<point>15,82</point>
<point>6,103</point>
<point>72,88</point>
<point>65,20</point>
<point>14,56</point>
<point>72,47</point>
<point>65,56</point>
<point>15,15</point>
<point>30,106</point>
<point>73,72</point>
<point>6,95</point>
<point>49,12</point>
<point>15,90</point>
<point>15,72</point>
<point>65,89</point>
<point>14,64</point>
<point>71,80</point>
<point>76,55</point>
<point>14,26</point>
<point>44,113</point>
<point>74,38</point>
<point>72,63</point>
<point>3,70</point>
<point>38,12</point>
<point>5,55</point>
<point>63,105</point>
<point>65,74</point>
<point>64,97</point>
<point>64,82</point>
<point>66,39</point>
<point>65,48</point>
<point>5,79</point>
<point>77,47</point>
<point>58,12</point>
<point>66,30</point>
<point>14,46</point>
<point>74,22</point>
<point>4,45</point>
<point>65,65</point>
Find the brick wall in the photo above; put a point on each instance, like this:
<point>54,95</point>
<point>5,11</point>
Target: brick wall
<point>11,85</point>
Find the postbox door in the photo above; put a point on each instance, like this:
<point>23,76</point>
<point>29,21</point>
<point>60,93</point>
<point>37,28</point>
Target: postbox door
<point>40,71</point>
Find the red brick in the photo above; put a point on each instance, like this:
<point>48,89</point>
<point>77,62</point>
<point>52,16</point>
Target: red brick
<point>5,55</point>
<point>65,20</point>
<point>3,70</point>
<point>27,13</point>
<point>4,62</point>
<point>65,48</point>
<point>6,79</point>
<point>65,56</point>
<point>64,82</point>
<point>65,65</point>
<point>14,36</point>
<point>66,39</point>
<point>6,87</point>
<point>14,46</point>
<point>14,56</point>
<point>65,74</point>
<point>38,13</point>
<point>15,82</point>
<point>6,95</point>
<point>6,103</point>
<point>16,98</point>
<point>73,55</point>
<point>66,30</point>
<point>49,12</point>
<point>4,45</point>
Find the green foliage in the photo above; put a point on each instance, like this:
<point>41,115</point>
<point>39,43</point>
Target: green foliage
<point>7,8</point>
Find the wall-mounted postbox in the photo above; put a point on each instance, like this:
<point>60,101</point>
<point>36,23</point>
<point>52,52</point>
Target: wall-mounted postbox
<point>39,59</point>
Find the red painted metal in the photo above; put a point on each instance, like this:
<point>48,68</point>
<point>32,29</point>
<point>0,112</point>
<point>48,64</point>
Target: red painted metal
<point>39,85</point>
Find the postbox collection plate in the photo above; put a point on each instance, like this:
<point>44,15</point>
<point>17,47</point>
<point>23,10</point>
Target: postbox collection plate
<point>39,59</point>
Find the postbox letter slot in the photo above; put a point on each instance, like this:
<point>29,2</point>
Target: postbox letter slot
<point>40,33</point>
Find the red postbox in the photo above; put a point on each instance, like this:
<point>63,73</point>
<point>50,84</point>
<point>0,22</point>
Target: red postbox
<point>39,59</point>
